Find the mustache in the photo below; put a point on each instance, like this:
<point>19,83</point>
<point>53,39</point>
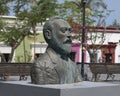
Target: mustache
<point>68,41</point>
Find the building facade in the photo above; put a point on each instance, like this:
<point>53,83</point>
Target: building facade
<point>108,48</point>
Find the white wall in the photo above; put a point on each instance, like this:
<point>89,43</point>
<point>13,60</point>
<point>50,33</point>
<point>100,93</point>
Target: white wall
<point>117,53</point>
<point>39,48</point>
<point>5,49</point>
<point>110,37</point>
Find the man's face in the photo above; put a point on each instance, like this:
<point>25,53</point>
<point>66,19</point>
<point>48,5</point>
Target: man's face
<point>61,36</point>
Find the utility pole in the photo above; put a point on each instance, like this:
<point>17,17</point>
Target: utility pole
<point>83,37</point>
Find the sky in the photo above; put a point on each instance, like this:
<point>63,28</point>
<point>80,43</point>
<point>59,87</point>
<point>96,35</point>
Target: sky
<point>113,5</point>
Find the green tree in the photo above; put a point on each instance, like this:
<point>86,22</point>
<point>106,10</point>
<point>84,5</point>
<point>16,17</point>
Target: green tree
<point>10,38</point>
<point>28,14</point>
<point>4,9</point>
<point>38,12</point>
<point>69,10</point>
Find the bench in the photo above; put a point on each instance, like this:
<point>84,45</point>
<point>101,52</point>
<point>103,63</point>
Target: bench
<point>101,68</point>
<point>15,69</point>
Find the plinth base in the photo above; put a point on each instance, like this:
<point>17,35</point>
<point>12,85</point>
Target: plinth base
<point>24,88</point>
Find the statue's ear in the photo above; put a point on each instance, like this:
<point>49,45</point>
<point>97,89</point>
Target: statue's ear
<point>48,34</point>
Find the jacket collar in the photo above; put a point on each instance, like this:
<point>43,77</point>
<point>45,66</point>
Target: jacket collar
<point>53,55</point>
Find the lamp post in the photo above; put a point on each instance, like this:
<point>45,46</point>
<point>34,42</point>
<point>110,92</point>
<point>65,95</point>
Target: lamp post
<point>83,37</point>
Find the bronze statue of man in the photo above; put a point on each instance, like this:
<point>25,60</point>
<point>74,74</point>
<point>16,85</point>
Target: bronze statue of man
<point>55,66</point>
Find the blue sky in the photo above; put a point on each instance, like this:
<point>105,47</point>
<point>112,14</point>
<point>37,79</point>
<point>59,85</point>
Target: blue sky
<point>113,5</point>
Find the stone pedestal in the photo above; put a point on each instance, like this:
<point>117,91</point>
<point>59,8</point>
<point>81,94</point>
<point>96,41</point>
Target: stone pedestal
<point>24,88</point>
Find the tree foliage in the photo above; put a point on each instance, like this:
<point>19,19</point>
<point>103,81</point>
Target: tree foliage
<point>13,36</point>
<point>4,9</point>
<point>28,13</point>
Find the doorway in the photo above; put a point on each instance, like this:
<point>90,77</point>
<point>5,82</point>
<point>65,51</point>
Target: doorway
<point>108,58</point>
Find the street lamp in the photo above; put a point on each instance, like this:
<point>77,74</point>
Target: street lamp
<point>83,37</point>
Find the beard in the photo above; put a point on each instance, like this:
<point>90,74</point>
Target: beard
<point>63,48</point>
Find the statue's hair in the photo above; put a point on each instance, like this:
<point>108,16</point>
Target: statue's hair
<point>49,22</point>
<point>49,26</point>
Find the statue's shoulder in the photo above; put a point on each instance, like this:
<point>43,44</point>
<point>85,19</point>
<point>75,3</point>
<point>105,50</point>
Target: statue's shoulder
<point>43,60</point>
<point>43,57</point>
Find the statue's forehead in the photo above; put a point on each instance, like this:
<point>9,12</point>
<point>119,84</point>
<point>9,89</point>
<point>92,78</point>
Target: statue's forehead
<point>61,23</point>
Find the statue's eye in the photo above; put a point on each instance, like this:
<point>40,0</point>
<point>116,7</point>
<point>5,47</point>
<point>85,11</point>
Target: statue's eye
<point>65,29</point>
<point>70,29</point>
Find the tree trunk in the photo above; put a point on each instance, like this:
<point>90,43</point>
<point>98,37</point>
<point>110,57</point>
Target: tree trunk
<point>13,49</point>
<point>2,58</point>
<point>92,56</point>
<point>11,55</point>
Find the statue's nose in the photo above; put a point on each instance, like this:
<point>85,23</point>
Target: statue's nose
<point>69,36</point>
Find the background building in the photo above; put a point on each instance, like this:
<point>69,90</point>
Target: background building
<point>107,51</point>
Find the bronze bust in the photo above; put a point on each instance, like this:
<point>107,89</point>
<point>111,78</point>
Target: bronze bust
<point>55,66</point>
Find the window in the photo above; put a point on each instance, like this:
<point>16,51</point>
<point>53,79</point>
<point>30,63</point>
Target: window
<point>108,58</point>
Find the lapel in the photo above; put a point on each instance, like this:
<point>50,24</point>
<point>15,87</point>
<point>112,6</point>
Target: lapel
<point>59,66</point>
